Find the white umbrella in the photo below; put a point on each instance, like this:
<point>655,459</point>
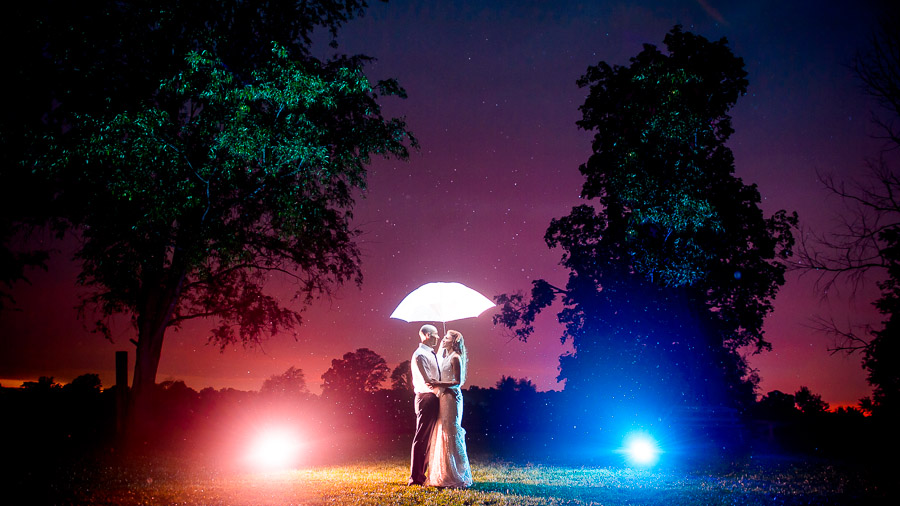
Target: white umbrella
<point>441,302</point>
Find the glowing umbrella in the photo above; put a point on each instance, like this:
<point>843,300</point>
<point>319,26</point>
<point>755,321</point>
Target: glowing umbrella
<point>441,302</point>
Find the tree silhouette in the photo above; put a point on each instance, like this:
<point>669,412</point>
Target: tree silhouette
<point>675,269</point>
<point>84,384</point>
<point>508,384</point>
<point>809,403</point>
<point>778,405</point>
<point>201,152</point>
<point>401,377</point>
<point>356,372</point>
<point>13,264</point>
<point>869,241</point>
<point>291,383</point>
<point>43,384</point>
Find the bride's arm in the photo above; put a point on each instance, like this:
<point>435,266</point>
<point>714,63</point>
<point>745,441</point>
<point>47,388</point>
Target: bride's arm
<point>454,363</point>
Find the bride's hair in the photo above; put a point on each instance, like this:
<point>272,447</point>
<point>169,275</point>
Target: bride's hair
<point>459,346</point>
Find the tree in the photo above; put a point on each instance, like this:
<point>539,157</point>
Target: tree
<point>43,384</point>
<point>108,57</point>
<point>13,264</point>
<point>291,383</point>
<point>356,372</point>
<point>508,384</point>
<point>401,377</point>
<point>849,412</point>
<point>673,272</point>
<point>778,405</point>
<point>206,154</point>
<point>809,403</point>
<point>86,384</point>
<point>868,244</point>
<point>23,199</point>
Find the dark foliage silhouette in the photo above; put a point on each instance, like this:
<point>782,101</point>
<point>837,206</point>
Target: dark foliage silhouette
<point>809,403</point>
<point>673,270</point>
<point>53,423</point>
<point>356,372</point>
<point>290,384</point>
<point>401,377</point>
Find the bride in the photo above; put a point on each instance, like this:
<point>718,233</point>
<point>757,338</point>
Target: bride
<point>448,465</point>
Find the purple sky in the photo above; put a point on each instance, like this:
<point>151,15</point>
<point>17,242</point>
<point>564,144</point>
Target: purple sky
<point>493,102</point>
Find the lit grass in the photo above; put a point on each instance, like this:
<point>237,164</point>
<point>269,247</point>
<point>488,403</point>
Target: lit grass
<point>496,483</point>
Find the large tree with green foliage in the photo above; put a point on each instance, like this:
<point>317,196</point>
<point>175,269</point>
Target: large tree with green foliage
<point>673,271</point>
<point>202,153</point>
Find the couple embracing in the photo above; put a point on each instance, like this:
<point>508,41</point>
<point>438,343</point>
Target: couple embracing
<point>439,445</point>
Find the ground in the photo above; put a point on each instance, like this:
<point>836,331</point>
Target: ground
<point>172,481</point>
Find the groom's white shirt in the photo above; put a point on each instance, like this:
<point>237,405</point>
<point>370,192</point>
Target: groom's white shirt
<point>424,359</point>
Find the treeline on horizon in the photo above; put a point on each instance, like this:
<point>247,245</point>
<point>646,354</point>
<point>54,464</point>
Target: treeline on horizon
<point>355,416</point>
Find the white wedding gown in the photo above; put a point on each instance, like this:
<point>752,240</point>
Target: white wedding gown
<point>448,464</point>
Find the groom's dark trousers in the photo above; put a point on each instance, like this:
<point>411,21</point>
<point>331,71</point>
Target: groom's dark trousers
<point>427,410</point>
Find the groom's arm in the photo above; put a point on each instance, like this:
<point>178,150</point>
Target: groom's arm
<point>420,363</point>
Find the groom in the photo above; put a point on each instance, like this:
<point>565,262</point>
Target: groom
<point>425,369</point>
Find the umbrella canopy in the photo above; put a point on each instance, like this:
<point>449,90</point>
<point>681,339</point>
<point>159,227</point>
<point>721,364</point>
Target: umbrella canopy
<point>441,302</point>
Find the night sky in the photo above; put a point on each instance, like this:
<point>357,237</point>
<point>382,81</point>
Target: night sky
<point>493,102</point>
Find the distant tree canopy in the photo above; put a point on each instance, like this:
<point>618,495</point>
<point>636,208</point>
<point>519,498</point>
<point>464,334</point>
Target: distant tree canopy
<point>201,152</point>
<point>509,384</point>
<point>401,377</point>
<point>779,405</point>
<point>356,372</point>
<point>509,420</point>
<point>43,384</point>
<point>809,403</point>
<point>674,270</point>
<point>85,384</point>
<point>291,383</point>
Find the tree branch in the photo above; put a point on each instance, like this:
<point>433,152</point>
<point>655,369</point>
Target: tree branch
<point>846,341</point>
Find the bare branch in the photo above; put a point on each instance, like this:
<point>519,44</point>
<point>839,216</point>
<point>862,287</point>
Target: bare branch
<point>855,249</point>
<point>845,341</point>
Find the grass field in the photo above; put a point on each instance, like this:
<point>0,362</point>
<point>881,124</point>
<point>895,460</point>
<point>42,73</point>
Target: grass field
<point>178,482</point>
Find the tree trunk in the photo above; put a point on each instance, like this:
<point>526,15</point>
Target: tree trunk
<point>146,364</point>
<point>154,315</point>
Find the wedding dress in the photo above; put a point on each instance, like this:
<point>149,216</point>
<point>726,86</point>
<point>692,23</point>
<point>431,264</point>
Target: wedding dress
<point>448,464</point>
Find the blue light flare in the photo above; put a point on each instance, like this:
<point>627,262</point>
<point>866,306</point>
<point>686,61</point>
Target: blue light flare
<point>640,449</point>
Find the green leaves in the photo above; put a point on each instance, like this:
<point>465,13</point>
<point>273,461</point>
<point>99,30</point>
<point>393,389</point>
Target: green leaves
<point>659,149</point>
<point>221,179</point>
